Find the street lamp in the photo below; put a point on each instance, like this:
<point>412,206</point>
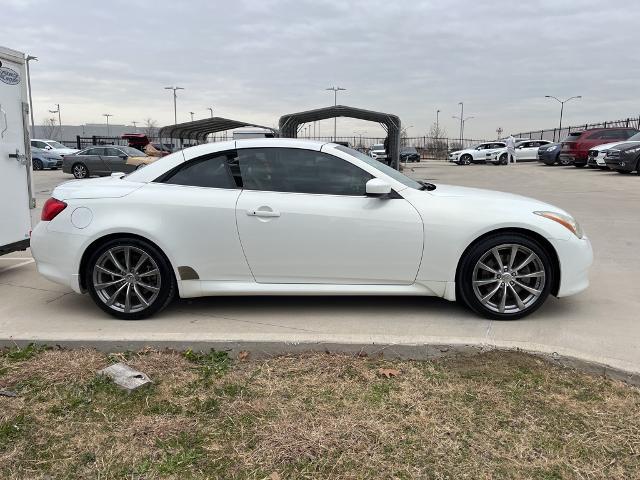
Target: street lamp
<point>463,120</point>
<point>335,102</point>
<point>33,126</point>
<point>562,102</point>
<point>57,110</point>
<point>175,96</point>
<point>437,121</point>
<point>135,128</point>
<point>210,111</point>
<point>108,129</point>
<point>192,115</point>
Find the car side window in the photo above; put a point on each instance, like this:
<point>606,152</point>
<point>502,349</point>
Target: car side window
<point>300,171</point>
<point>92,151</point>
<point>211,171</point>
<point>112,152</point>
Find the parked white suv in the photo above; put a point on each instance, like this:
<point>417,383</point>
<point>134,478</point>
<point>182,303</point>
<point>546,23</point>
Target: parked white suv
<point>479,153</point>
<point>53,146</point>
<point>378,152</point>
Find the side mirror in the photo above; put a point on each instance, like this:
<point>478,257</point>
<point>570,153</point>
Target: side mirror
<point>48,147</point>
<point>377,188</point>
<point>123,157</point>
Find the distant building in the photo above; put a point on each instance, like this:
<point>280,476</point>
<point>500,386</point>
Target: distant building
<point>70,132</point>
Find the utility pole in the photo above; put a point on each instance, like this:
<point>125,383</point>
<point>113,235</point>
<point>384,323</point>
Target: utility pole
<point>499,132</point>
<point>57,110</point>
<point>562,102</point>
<point>33,125</point>
<point>335,103</point>
<point>175,97</point>
<point>192,115</point>
<point>461,122</point>
<point>107,115</point>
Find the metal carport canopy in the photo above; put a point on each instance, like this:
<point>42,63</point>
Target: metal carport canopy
<point>199,129</point>
<point>289,123</point>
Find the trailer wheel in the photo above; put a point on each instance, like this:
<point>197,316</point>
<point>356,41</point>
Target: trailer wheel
<point>80,170</point>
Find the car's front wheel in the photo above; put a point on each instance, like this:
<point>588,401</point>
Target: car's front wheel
<point>37,164</point>
<point>129,278</point>
<point>505,276</point>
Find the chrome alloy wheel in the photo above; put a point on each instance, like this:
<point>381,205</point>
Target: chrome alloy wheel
<point>126,279</point>
<point>509,278</point>
<point>79,170</point>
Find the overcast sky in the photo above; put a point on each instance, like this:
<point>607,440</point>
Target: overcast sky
<point>257,60</point>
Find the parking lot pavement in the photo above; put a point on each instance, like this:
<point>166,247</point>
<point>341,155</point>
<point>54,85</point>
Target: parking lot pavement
<point>599,325</point>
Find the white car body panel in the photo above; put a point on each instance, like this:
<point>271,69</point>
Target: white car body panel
<point>476,153</point>
<point>319,244</point>
<point>522,152</point>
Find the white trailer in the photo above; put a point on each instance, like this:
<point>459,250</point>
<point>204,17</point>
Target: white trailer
<point>16,192</point>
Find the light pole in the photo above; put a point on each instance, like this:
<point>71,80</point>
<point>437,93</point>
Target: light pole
<point>463,120</point>
<point>57,110</point>
<point>33,126</point>
<point>210,111</point>
<point>135,128</point>
<point>192,115</point>
<point>562,102</point>
<point>437,121</point>
<point>107,115</point>
<point>499,132</point>
<point>175,97</point>
<point>335,102</point>
<point>360,132</point>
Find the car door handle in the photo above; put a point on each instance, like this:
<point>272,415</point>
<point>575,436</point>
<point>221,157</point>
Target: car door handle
<point>263,213</point>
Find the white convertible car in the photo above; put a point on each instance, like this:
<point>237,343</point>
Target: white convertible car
<point>294,217</point>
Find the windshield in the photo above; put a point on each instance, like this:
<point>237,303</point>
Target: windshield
<point>378,147</point>
<point>387,170</point>
<point>635,138</point>
<point>56,145</point>
<point>133,152</point>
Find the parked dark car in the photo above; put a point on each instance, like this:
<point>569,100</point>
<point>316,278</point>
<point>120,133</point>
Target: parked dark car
<point>549,154</point>
<point>575,148</point>
<point>624,158</point>
<point>104,160</point>
<point>409,154</point>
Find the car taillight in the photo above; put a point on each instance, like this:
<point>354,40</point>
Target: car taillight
<point>51,209</point>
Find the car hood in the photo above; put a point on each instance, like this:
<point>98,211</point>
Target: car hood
<point>479,196</point>
<point>64,151</point>
<point>105,187</point>
<point>607,146</point>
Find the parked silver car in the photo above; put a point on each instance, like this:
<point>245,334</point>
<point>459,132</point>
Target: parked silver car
<point>104,160</point>
<point>41,159</point>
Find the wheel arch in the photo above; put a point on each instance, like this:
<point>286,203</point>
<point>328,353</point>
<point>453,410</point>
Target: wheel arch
<point>551,251</point>
<point>98,242</point>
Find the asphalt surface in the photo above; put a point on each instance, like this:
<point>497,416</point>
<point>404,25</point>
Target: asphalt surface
<point>599,325</point>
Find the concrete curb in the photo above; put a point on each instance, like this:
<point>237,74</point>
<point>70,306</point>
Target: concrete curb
<point>403,351</point>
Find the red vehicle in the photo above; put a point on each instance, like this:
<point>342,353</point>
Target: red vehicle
<point>142,143</point>
<point>575,147</point>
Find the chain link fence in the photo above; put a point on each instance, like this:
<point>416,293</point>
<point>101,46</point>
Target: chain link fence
<point>556,135</point>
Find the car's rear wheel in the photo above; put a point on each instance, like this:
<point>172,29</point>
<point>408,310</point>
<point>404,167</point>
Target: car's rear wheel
<point>37,164</point>
<point>80,170</point>
<point>504,159</point>
<point>505,276</point>
<point>129,278</point>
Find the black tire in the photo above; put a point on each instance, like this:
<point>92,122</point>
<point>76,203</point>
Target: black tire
<point>579,165</point>
<point>165,284</point>
<point>80,170</point>
<point>473,255</point>
<point>504,159</point>
<point>623,172</point>
<point>37,164</point>
<point>466,159</point>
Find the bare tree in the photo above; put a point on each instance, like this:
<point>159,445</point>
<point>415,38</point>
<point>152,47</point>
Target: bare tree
<point>437,142</point>
<point>150,128</point>
<point>49,127</point>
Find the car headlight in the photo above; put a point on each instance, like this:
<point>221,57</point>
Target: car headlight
<point>565,220</point>
<point>633,151</point>
<point>551,149</point>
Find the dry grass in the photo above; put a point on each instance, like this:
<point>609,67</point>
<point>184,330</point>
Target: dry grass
<point>497,415</point>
